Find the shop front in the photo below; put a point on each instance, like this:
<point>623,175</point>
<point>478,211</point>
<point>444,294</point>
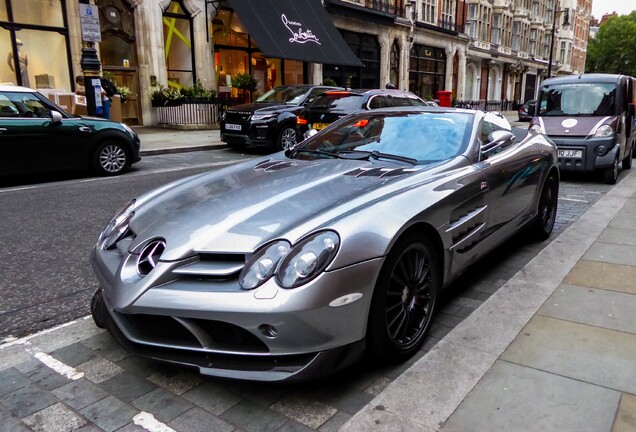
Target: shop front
<point>367,75</point>
<point>427,70</point>
<point>35,44</point>
<point>274,41</point>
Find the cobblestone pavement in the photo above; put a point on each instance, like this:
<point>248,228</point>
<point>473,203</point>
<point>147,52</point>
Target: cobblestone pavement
<point>77,377</point>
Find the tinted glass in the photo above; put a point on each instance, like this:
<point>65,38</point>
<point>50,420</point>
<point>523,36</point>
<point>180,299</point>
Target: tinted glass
<point>284,94</point>
<point>426,137</point>
<point>24,105</point>
<point>339,102</point>
<point>578,99</point>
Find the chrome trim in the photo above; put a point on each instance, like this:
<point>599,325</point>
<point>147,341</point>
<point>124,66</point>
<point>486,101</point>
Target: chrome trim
<point>217,268</point>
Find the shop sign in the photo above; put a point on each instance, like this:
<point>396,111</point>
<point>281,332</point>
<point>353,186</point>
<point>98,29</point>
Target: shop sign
<point>298,34</point>
<point>89,22</point>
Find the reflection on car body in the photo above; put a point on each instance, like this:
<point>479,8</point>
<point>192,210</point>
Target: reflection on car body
<point>292,266</point>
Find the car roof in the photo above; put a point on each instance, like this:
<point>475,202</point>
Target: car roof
<point>14,88</point>
<point>586,78</point>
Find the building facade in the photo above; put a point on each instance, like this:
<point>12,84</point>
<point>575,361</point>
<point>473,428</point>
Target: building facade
<point>478,49</point>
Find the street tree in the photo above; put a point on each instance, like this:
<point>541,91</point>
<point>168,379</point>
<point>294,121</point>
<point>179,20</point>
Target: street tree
<point>613,50</point>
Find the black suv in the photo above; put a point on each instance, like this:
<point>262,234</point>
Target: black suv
<point>335,104</point>
<point>271,120</point>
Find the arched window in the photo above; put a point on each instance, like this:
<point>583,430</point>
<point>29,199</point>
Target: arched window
<point>394,74</point>
<point>177,39</point>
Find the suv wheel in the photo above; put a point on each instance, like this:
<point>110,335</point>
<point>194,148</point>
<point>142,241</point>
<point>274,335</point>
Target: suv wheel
<point>286,138</point>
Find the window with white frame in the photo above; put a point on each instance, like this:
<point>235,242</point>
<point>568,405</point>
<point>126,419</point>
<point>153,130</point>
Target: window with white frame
<point>516,35</point>
<point>562,53</point>
<point>429,12</point>
<point>448,11</point>
<point>496,29</point>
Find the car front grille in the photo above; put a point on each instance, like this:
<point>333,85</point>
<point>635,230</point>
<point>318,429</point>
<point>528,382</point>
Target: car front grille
<point>212,266</point>
<point>237,116</point>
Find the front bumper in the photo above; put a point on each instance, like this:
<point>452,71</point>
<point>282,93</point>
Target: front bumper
<point>252,134</point>
<point>225,331</point>
<point>590,160</point>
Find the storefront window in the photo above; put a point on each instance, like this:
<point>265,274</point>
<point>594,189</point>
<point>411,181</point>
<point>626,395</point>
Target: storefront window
<point>39,54</point>
<point>427,70</point>
<point>32,12</point>
<point>294,72</point>
<point>42,57</point>
<point>367,49</point>
<point>228,30</point>
<point>177,38</point>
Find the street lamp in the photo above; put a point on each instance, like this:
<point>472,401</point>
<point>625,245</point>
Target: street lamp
<point>566,22</point>
<point>411,14</point>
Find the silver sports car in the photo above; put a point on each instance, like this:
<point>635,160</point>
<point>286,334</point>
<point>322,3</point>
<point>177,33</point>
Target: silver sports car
<point>293,265</point>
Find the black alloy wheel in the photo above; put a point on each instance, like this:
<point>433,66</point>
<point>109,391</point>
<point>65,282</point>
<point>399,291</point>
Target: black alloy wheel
<point>110,158</point>
<point>610,175</point>
<point>404,300</point>
<point>547,209</point>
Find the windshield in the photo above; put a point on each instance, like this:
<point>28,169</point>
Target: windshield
<point>423,136</point>
<point>284,94</point>
<point>578,99</point>
<point>338,101</point>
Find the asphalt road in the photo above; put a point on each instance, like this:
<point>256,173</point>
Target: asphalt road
<point>50,224</point>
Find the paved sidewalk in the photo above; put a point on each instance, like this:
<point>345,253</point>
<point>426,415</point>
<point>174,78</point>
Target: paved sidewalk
<point>554,349</point>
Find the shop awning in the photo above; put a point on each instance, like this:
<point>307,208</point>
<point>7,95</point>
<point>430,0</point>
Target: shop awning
<point>295,30</point>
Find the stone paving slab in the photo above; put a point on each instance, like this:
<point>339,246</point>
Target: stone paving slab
<point>595,274</point>
<point>620,236</point>
<point>612,253</point>
<point>626,416</point>
<point>595,307</point>
<point>591,354</point>
<point>516,398</point>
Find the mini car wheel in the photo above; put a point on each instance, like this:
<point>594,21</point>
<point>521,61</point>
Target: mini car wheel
<point>404,300</point>
<point>627,162</point>
<point>286,138</point>
<point>110,158</point>
<point>547,209</point>
<point>611,174</point>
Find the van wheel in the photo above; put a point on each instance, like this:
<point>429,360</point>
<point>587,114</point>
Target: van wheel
<point>611,174</point>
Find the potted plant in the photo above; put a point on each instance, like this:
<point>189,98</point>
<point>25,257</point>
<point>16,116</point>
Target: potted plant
<point>165,96</point>
<point>124,93</point>
<point>197,93</point>
<point>245,83</point>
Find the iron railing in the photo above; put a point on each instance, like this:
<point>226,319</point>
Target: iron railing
<point>203,113</point>
<point>484,105</point>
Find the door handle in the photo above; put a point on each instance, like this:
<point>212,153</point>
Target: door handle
<point>85,129</point>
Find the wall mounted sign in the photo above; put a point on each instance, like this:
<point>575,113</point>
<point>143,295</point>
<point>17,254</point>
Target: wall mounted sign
<point>89,23</point>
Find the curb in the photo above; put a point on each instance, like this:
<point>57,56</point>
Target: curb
<point>173,150</point>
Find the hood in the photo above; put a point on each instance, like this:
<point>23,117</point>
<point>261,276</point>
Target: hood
<point>573,126</point>
<point>237,209</point>
<point>263,107</point>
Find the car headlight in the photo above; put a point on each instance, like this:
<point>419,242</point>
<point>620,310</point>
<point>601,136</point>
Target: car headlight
<point>263,264</point>
<point>223,115</point>
<point>117,226</point>
<point>262,116</point>
<point>604,131</point>
<point>307,259</point>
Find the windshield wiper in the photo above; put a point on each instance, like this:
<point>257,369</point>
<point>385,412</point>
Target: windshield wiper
<point>316,151</point>
<point>379,155</point>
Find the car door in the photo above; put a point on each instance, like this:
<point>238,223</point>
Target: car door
<point>513,173</point>
<point>24,139</point>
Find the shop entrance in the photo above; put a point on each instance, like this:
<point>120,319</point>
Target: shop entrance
<point>118,53</point>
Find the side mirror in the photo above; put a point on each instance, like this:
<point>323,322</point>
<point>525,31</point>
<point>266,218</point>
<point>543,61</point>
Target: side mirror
<point>56,117</point>
<point>496,140</point>
<point>310,133</point>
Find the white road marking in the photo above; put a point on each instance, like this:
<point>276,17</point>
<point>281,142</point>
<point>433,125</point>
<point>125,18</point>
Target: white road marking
<point>150,423</point>
<point>53,363</point>
<point>573,199</point>
<point>11,341</point>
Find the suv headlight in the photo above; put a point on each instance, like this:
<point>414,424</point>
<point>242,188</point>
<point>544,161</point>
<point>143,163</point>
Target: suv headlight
<point>262,116</point>
<point>263,264</point>
<point>604,131</point>
<point>307,259</point>
<point>117,226</point>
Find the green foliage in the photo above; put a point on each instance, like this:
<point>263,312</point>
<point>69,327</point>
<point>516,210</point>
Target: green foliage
<point>198,91</point>
<point>244,82</point>
<point>330,82</point>
<point>613,50</point>
<point>124,92</point>
<point>162,95</point>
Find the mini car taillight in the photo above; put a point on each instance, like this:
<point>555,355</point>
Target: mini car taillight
<point>301,121</point>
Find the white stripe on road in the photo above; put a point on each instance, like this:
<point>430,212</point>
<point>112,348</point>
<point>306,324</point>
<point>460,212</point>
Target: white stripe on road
<point>573,199</point>
<point>59,367</point>
<point>11,341</point>
<point>150,423</point>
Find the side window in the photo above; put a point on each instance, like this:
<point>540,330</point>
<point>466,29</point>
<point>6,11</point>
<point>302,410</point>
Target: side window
<point>401,101</point>
<point>379,101</point>
<point>313,94</point>
<point>7,108</point>
<point>28,105</point>
<point>485,130</point>
<point>418,102</point>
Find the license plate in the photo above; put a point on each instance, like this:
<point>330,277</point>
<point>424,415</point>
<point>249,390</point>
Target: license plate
<point>230,126</point>
<point>319,126</point>
<point>577,154</point>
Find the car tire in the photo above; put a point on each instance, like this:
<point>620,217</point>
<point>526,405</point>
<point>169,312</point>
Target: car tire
<point>546,209</point>
<point>627,162</point>
<point>98,310</point>
<point>404,300</point>
<point>610,175</point>
<point>110,158</point>
<point>286,138</point>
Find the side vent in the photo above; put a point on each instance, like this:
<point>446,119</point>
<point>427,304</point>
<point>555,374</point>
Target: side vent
<point>273,165</point>
<point>381,172</point>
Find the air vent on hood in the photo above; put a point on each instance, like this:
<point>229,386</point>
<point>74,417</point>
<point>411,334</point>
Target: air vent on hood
<point>381,172</point>
<point>273,165</point>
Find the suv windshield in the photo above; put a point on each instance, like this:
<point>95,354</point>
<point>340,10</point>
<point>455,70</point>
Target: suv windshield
<point>578,99</point>
<point>338,101</point>
<point>424,136</point>
<point>284,94</point>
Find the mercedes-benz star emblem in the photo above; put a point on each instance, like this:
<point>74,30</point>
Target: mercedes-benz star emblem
<point>149,256</point>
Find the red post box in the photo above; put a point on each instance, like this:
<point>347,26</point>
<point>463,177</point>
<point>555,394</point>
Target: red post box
<point>444,97</point>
